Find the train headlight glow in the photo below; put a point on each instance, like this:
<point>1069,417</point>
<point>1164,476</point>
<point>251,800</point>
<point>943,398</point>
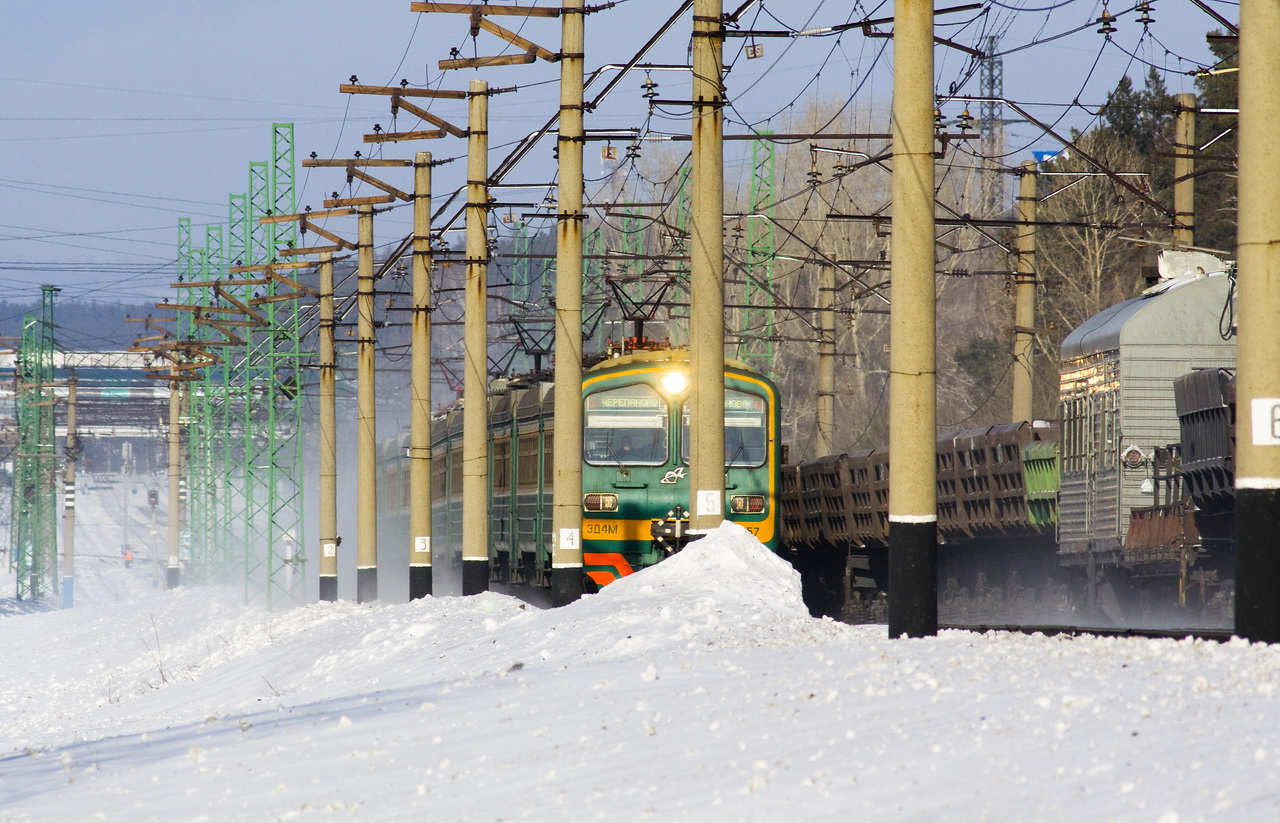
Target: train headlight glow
<point>596,502</point>
<point>746,503</point>
<point>675,382</point>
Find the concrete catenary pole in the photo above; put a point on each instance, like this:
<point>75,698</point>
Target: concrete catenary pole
<point>1184,161</point>
<point>913,498</point>
<point>69,492</point>
<point>566,515</point>
<point>366,415</point>
<point>826,361</point>
<point>475,389</point>
<point>706,271</point>
<point>1258,345</point>
<point>420,366</point>
<point>1024,311</point>
<point>173,572</point>
<point>328,437</point>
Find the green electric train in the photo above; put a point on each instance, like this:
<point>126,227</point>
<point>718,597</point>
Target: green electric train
<point>635,468</point>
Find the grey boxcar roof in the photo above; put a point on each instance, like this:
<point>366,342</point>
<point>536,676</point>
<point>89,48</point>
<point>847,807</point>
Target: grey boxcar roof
<point>1174,313</point>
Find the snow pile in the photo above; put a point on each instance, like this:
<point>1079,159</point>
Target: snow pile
<point>696,690</point>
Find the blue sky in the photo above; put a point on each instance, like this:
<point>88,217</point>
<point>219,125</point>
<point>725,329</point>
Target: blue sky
<point>121,117</point>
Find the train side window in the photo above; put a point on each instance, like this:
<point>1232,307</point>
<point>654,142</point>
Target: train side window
<point>746,429</point>
<point>625,426</point>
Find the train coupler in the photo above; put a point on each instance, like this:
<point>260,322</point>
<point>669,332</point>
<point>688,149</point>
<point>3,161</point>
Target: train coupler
<point>671,533</point>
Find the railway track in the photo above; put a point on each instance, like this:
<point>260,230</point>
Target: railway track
<point>1216,635</point>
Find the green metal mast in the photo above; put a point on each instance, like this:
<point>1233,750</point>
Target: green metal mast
<point>680,249</point>
<point>287,518</point>
<point>192,446</point>
<point>255,381</point>
<point>594,292</point>
<point>758,331</point>
<point>202,433</point>
<point>33,554</point>
<point>229,412</point>
<point>521,283</point>
<point>633,248</point>
<point>521,288</point>
<point>271,379</point>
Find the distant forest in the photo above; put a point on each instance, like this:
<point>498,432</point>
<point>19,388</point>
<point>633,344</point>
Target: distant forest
<point>81,325</point>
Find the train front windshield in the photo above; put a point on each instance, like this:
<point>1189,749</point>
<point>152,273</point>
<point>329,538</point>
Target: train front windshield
<point>625,426</point>
<point>746,430</point>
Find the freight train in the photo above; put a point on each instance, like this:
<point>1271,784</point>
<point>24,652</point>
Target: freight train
<point>635,460</point>
<point>1118,512</point>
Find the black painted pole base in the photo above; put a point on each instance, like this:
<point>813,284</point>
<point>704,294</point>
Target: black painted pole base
<point>419,582</point>
<point>173,577</point>
<point>566,586</point>
<point>475,576</point>
<point>329,589</point>
<point>1258,564</point>
<point>913,579</point>
<point>366,585</point>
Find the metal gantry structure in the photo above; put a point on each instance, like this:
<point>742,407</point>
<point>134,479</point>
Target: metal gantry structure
<point>242,422</point>
<point>33,551</point>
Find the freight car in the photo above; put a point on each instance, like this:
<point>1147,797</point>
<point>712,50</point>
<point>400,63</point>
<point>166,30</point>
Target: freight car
<point>1084,516</point>
<point>635,459</point>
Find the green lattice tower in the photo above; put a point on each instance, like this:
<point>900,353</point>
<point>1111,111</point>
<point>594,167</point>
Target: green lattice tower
<point>271,390</point>
<point>594,292</point>
<point>521,268</point>
<point>255,381</point>
<point>633,246</point>
<point>991,121</point>
<point>759,346</point>
<point>230,409</point>
<point>679,330</point>
<point>192,262</point>
<point>288,357</point>
<point>202,469</point>
<point>186,261</point>
<point>33,552</point>
<point>217,545</point>
<point>521,283</point>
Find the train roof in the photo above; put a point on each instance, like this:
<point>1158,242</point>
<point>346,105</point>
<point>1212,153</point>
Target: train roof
<point>656,356</point>
<point>1175,311</point>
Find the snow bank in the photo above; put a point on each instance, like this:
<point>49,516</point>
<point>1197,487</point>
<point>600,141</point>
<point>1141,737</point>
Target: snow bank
<point>696,690</point>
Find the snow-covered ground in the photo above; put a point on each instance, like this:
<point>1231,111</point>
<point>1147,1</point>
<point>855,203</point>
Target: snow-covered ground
<point>696,690</point>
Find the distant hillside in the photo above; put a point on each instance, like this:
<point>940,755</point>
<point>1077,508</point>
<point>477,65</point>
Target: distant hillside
<point>81,324</point>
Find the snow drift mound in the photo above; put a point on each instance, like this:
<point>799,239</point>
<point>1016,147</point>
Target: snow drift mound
<point>729,564</point>
<point>725,589</point>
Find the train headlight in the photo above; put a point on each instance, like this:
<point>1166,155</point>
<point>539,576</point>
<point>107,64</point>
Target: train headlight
<point>746,503</point>
<point>675,382</point>
<point>600,502</point>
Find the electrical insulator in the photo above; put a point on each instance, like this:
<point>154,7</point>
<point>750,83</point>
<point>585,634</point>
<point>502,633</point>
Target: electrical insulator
<point>1106,20</point>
